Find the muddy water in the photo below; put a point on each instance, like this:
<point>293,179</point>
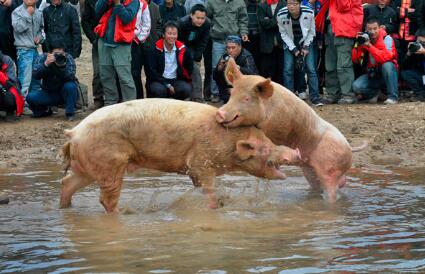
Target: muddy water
<point>377,226</point>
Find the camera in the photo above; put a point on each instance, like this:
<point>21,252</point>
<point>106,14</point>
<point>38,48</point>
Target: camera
<point>372,72</point>
<point>226,57</point>
<point>299,62</point>
<point>60,59</point>
<point>362,38</point>
<point>414,47</point>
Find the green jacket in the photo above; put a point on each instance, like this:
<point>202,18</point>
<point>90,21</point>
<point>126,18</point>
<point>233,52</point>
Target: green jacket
<point>227,18</point>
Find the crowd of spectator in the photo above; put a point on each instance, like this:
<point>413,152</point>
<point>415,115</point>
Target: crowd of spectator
<point>337,52</point>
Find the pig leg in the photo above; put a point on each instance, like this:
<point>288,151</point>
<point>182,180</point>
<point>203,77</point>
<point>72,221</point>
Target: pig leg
<point>70,184</point>
<point>195,180</point>
<point>110,189</point>
<point>312,178</point>
<point>207,181</point>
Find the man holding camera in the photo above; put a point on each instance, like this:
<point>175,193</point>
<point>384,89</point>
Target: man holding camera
<point>376,51</point>
<point>414,66</point>
<point>297,28</point>
<point>56,70</point>
<point>243,59</point>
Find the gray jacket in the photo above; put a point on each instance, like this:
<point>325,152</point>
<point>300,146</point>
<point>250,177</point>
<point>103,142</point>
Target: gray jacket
<point>227,18</point>
<point>26,27</point>
<point>307,23</point>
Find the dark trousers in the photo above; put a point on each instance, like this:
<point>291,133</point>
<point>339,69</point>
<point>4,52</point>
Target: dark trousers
<point>182,89</point>
<point>7,102</point>
<point>253,46</point>
<point>272,65</point>
<point>415,82</point>
<point>96,83</point>
<point>137,62</point>
<point>208,69</point>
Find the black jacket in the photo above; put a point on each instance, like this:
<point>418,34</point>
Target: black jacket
<point>89,20</point>
<point>195,38</point>
<point>415,4</point>
<point>246,64</point>
<point>414,62</point>
<point>156,63</point>
<point>62,22</point>
<point>269,30</point>
<point>387,17</point>
<point>156,25</point>
<point>173,14</point>
<point>6,29</point>
<point>52,77</point>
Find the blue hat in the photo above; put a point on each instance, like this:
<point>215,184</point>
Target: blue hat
<point>234,39</point>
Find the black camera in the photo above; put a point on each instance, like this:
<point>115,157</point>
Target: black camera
<point>372,72</point>
<point>414,47</point>
<point>362,38</point>
<point>299,62</point>
<point>226,57</point>
<point>60,59</point>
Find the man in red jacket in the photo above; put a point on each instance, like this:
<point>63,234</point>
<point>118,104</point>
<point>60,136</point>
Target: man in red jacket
<point>379,55</point>
<point>11,100</point>
<point>344,19</point>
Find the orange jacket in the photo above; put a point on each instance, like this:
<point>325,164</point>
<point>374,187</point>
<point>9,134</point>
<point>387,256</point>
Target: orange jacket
<point>346,17</point>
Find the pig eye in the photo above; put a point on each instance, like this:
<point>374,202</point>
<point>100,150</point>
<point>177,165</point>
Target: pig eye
<point>246,99</point>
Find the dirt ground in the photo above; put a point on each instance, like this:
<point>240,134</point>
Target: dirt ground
<point>396,134</point>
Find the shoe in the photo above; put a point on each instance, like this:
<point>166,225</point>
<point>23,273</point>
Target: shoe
<point>27,111</point>
<point>329,101</point>
<point>198,100</point>
<point>302,95</point>
<point>390,101</point>
<point>318,103</point>
<point>373,100</point>
<point>215,99</point>
<point>346,101</point>
<point>70,117</point>
<point>96,105</point>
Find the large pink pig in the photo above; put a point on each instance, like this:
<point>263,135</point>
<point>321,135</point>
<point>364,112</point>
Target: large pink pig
<point>166,135</point>
<point>289,121</point>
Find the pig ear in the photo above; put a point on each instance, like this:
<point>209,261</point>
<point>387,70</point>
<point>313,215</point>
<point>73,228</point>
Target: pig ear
<point>232,72</point>
<point>265,88</point>
<point>245,149</point>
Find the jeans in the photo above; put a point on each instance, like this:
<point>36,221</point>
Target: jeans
<point>309,68</point>
<point>39,100</point>
<point>26,58</point>
<point>415,82</point>
<point>386,77</point>
<point>218,49</point>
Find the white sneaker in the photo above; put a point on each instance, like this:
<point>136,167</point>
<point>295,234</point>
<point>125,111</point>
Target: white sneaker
<point>390,101</point>
<point>302,95</point>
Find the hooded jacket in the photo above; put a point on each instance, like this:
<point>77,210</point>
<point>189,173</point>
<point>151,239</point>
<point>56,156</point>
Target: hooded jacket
<point>26,27</point>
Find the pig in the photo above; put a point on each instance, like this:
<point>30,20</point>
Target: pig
<point>167,135</point>
<point>288,120</point>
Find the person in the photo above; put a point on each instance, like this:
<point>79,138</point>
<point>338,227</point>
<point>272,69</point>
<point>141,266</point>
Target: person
<point>413,71</point>
<point>141,33</point>
<point>271,44</point>
<point>27,22</point>
<point>253,43</point>
<point>88,22</point>
<point>169,66</point>
<point>376,50</point>
<point>343,20</point>
<point>188,4</point>
<point>243,59</point>
<point>116,33</point>
<point>59,86</point>
<point>61,21</point>
<point>11,100</point>
<point>228,17</point>
<point>386,15</point>
<point>6,30</point>
<point>171,11</point>
<point>195,33</point>
<point>297,27</point>
<point>407,11</point>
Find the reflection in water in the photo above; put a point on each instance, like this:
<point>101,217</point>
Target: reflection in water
<point>377,225</point>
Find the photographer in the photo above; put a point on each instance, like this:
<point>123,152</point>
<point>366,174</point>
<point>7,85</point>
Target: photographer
<point>243,59</point>
<point>11,100</point>
<point>56,70</point>
<point>376,51</point>
<point>297,28</point>
<point>414,66</point>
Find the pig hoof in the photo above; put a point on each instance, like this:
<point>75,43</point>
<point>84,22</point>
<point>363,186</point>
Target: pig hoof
<point>4,200</point>
<point>213,205</point>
